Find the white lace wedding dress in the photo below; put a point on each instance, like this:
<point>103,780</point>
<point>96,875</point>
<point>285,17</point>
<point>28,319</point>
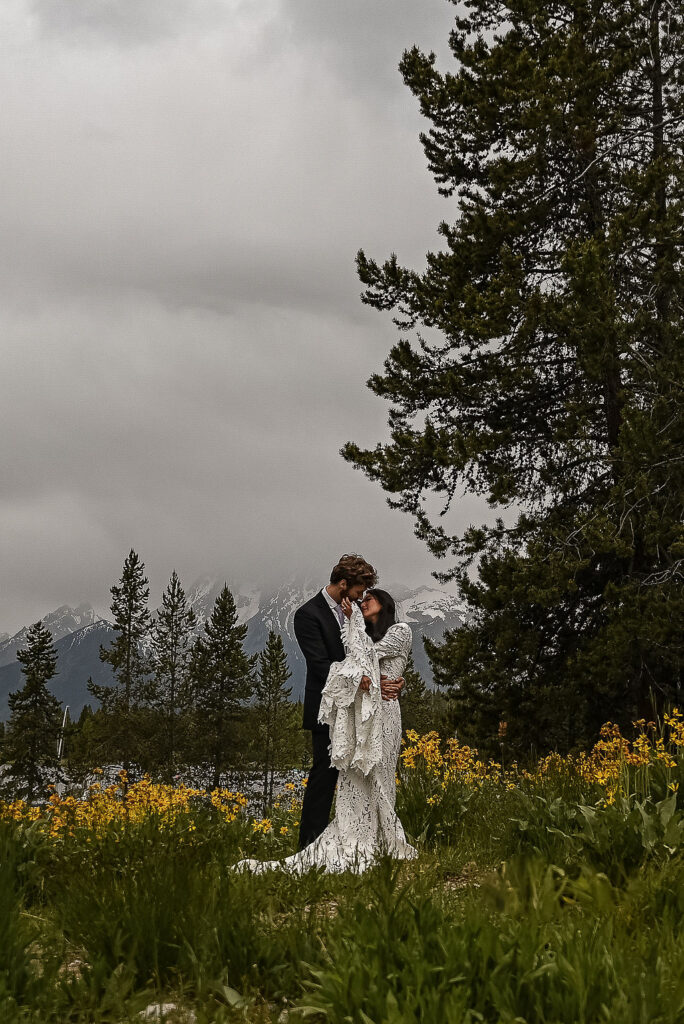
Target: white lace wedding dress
<point>365,737</point>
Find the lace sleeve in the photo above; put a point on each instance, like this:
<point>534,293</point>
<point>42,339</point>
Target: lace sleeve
<point>354,716</point>
<point>396,643</point>
<point>357,643</point>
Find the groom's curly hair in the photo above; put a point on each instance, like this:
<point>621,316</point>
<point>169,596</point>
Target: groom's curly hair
<point>354,569</point>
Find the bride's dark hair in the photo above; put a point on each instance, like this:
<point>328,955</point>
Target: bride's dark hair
<point>386,617</point>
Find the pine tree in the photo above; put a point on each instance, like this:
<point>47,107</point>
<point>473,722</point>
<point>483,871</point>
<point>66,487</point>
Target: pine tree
<point>85,742</point>
<point>123,702</point>
<point>35,720</point>
<point>416,705</point>
<point>173,630</point>
<point>550,379</point>
<point>222,680</point>
<point>272,701</point>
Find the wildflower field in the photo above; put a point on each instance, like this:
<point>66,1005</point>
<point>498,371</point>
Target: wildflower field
<point>547,893</point>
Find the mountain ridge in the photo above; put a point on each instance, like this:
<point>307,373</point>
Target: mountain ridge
<point>78,632</point>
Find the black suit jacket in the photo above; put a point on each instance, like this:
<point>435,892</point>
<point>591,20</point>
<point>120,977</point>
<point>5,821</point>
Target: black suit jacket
<point>320,640</point>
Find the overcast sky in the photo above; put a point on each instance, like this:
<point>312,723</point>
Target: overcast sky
<point>184,185</point>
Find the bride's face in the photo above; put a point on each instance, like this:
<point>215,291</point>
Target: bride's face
<point>370,607</point>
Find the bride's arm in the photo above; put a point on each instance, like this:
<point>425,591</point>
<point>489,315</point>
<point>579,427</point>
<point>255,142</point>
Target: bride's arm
<point>396,643</point>
<point>359,670</point>
<point>356,641</point>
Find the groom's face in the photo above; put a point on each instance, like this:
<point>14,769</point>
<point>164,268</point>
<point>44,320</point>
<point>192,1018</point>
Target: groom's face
<point>354,591</point>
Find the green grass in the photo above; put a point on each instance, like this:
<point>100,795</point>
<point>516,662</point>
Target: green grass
<point>521,908</point>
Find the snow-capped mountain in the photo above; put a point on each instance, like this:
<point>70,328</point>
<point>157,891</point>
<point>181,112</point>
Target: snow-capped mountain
<point>79,632</point>
<point>61,622</point>
<point>77,659</point>
<point>429,611</point>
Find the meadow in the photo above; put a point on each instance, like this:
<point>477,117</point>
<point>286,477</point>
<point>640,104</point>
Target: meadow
<point>545,893</point>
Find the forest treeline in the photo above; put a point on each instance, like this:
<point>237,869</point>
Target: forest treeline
<point>540,364</point>
<point>182,701</point>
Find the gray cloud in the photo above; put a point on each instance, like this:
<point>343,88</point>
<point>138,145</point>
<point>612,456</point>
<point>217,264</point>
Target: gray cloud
<point>184,350</point>
<point>364,41</point>
<point>126,22</point>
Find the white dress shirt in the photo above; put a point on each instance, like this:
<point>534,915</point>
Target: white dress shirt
<point>332,605</point>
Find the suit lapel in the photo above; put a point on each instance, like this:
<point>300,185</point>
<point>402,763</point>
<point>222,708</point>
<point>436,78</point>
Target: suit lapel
<point>330,626</point>
<point>325,610</point>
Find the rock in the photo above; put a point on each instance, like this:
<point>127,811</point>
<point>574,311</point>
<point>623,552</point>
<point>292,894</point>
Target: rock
<point>161,1011</point>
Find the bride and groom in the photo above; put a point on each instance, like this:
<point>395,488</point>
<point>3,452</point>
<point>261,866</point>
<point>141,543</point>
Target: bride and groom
<point>355,654</point>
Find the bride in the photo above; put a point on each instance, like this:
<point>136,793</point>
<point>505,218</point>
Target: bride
<point>365,736</point>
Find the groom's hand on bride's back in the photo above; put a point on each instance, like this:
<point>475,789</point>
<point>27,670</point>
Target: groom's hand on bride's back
<point>391,688</point>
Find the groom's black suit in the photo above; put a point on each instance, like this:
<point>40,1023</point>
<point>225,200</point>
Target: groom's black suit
<point>318,635</point>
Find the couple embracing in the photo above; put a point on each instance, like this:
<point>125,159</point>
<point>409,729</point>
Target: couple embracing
<point>355,654</point>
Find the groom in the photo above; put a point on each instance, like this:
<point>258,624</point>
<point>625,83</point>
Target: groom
<point>317,626</point>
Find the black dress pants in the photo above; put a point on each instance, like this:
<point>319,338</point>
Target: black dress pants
<point>320,789</point>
